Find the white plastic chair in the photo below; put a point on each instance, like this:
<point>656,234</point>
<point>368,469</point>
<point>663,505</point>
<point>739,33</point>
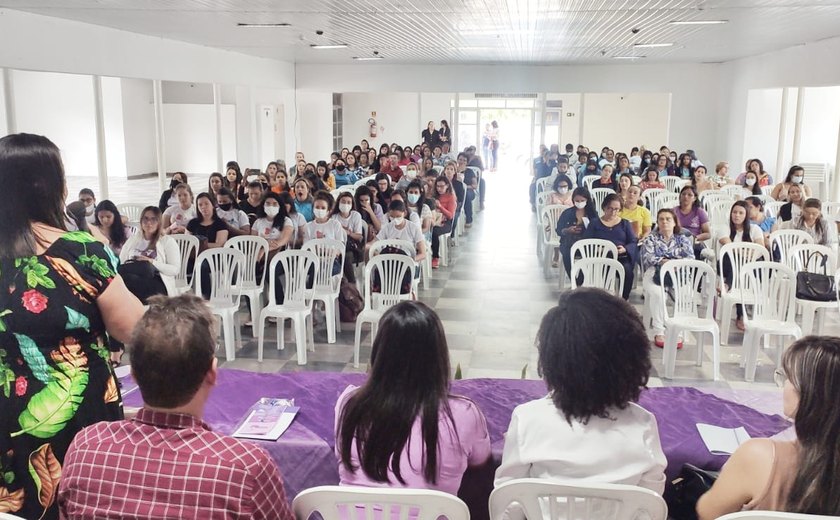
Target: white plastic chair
<point>718,211</point>
<point>541,202</point>
<point>783,239</point>
<point>813,258</point>
<point>650,195</point>
<point>767,192</point>
<point>598,196</point>
<point>671,182</point>
<point>576,501</point>
<point>328,285</point>
<point>392,269</point>
<point>405,246</point>
<point>600,273</point>
<point>550,238</point>
<point>132,211</point>
<point>710,197</point>
<point>739,254</point>
<point>593,248</point>
<point>297,301</point>
<point>344,502</point>
<point>771,515</point>
<point>733,190</point>
<point>687,277</point>
<point>545,183</point>
<point>772,208</point>
<point>187,247</point>
<point>588,180</point>
<point>636,180</point>
<point>666,199</point>
<point>225,265</point>
<point>771,289</point>
<point>250,285</point>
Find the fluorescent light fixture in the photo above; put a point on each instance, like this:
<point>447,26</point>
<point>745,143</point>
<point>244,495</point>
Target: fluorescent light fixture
<point>698,22</point>
<point>628,57</point>
<point>368,58</point>
<point>651,45</point>
<point>329,46</point>
<point>283,24</point>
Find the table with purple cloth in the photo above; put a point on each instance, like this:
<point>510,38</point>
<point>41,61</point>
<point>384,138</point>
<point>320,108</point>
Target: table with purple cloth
<point>305,452</point>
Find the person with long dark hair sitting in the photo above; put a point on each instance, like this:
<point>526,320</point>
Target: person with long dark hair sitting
<point>150,260</point>
<point>799,476</point>
<point>589,427</point>
<point>404,427</point>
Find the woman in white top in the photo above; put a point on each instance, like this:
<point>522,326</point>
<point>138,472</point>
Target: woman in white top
<point>235,218</point>
<point>298,220</point>
<point>740,229</point>
<point>150,260</point>
<point>351,222</point>
<point>416,205</point>
<point>811,221</point>
<point>588,428</point>
<point>273,225</point>
<point>176,218</point>
<point>322,226</point>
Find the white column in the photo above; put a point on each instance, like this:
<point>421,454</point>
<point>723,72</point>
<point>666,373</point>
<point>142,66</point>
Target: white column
<point>99,119</point>
<point>217,105</point>
<point>453,125</point>
<point>834,192</point>
<point>780,149</point>
<point>580,118</point>
<point>541,99</point>
<point>9,101</point>
<point>160,140</point>
<point>797,126</point>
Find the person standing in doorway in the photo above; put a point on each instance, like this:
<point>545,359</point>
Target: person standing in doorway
<point>494,145</point>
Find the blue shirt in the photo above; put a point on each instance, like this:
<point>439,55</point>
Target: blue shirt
<point>767,224</point>
<point>305,209</point>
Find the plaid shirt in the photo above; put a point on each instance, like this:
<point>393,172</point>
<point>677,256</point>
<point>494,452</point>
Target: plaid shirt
<point>165,465</point>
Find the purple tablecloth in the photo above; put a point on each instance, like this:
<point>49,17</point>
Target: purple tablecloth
<point>305,453</point>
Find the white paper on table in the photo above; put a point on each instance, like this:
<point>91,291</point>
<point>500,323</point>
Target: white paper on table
<point>122,371</point>
<point>267,420</point>
<point>722,441</point>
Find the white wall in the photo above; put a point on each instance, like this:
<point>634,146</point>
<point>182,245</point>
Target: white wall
<point>112,113</point>
<point>820,124</point>
<point>59,106</point>
<point>397,117</point>
<point>191,137</point>
<point>623,121</point>
<point>761,133</point>
<point>435,106</point>
<point>313,126</point>
<point>139,127</point>
<point>694,102</point>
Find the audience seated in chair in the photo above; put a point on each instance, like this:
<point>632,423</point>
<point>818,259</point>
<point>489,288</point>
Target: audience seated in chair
<point>797,476</point>
<point>589,427</point>
<point>812,221</point>
<point>620,232</point>
<point>166,462</point>
<point>150,260</point>
<point>403,427</point>
<point>175,218</point>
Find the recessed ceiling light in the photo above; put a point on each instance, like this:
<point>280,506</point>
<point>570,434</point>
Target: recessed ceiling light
<point>698,22</point>
<point>367,58</point>
<point>651,45</point>
<point>628,57</point>
<point>329,46</point>
<point>264,24</point>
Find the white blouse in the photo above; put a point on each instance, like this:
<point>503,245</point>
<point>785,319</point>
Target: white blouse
<point>623,449</point>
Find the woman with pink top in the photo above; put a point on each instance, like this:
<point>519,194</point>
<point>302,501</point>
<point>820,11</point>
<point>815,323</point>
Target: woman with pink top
<point>403,427</point>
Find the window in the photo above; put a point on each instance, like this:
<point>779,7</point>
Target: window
<point>338,123</point>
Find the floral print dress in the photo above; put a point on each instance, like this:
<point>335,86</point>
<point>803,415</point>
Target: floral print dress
<point>55,377</point>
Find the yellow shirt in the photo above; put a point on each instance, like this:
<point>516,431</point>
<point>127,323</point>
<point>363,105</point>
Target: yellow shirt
<point>639,217</point>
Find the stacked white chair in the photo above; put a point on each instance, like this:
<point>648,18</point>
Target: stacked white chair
<point>686,278</point>
<point>297,301</point>
<point>739,254</point>
<point>550,238</point>
<point>600,273</point>
<point>253,248</point>
<point>391,269</point>
<point>813,258</point>
<point>224,265</point>
<point>598,196</point>
<point>327,284</point>
<point>187,247</point>
<point>783,239</point>
<point>771,289</point>
<point>132,212</point>
<point>551,500</point>
<point>351,502</point>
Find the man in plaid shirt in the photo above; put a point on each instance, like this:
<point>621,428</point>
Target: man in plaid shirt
<point>166,463</point>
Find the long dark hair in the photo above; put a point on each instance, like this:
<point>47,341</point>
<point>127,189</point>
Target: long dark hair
<point>30,170</point>
<point>360,191</point>
<point>416,183</point>
<point>116,234</point>
<point>813,366</point>
<point>813,204</point>
<point>793,169</point>
<point>692,189</point>
<point>590,211</point>
<point>409,379</point>
<point>745,233</point>
<point>280,219</point>
<point>155,211</point>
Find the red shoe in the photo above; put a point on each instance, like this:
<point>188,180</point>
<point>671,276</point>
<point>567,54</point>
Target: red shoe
<point>660,343</point>
<point>435,263</point>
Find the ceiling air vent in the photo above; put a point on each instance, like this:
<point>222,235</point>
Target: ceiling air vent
<point>505,96</point>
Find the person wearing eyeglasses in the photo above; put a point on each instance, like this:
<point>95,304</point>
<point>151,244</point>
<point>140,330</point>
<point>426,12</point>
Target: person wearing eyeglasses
<point>150,259</point>
<point>620,232</point>
<point>798,476</point>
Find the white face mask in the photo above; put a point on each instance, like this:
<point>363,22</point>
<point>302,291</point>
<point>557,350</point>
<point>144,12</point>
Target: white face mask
<point>271,211</point>
<point>750,182</point>
<point>580,204</point>
<point>797,179</point>
<point>345,208</point>
<point>411,174</point>
<point>90,209</point>
<point>320,213</point>
<point>413,198</point>
<point>398,220</point>
<point>563,191</point>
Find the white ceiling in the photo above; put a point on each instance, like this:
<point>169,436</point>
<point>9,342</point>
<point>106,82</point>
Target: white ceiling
<point>468,31</point>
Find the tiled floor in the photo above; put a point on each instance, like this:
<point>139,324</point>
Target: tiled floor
<point>491,299</point>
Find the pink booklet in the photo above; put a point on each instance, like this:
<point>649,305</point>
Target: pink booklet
<point>267,419</point>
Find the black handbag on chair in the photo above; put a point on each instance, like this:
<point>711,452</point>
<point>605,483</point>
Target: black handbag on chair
<point>686,490</point>
<point>815,287</point>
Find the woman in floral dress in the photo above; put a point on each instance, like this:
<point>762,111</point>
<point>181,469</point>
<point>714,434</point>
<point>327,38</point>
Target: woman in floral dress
<point>59,292</point>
